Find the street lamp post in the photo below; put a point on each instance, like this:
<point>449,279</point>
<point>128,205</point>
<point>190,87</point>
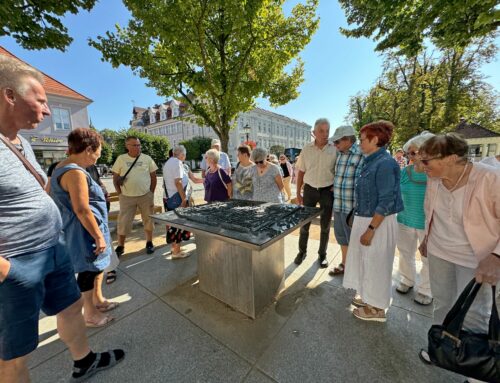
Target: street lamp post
<point>247,130</point>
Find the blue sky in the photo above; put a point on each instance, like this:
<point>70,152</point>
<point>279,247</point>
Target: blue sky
<point>335,69</point>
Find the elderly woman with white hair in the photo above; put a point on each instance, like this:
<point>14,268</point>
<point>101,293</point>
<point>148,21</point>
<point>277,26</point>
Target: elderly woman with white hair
<point>176,182</point>
<point>218,185</point>
<point>411,223</point>
<point>267,181</point>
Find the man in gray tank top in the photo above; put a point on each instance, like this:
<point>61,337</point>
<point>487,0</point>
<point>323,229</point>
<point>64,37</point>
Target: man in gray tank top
<point>35,270</point>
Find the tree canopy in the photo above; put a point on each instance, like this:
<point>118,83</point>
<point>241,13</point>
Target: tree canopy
<point>155,146</point>
<point>218,56</point>
<point>431,91</point>
<point>404,25</point>
<point>37,24</point>
<point>196,147</point>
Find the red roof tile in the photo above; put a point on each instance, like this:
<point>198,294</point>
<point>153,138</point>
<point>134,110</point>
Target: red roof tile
<point>51,85</point>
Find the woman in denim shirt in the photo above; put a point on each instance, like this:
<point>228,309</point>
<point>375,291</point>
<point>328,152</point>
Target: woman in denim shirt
<point>373,237</point>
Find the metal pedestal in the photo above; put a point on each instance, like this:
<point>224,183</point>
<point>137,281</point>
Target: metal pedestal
<point>245,279</point>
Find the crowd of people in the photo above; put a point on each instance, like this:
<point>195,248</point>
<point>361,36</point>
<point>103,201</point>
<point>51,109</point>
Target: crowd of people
<point>429,195</point>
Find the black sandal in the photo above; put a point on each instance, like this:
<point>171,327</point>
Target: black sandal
<point>110,277</point>
<point>112,358</point>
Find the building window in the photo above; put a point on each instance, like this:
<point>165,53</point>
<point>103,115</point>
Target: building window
<point>61,119</point>
<point>492,150</point>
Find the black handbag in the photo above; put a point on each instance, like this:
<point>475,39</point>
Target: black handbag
<point>469,354</point>
<point>349,220</point>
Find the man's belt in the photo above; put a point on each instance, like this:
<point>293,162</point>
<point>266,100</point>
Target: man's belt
<point>320,189</point>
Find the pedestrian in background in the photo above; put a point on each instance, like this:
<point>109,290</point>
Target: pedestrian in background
<point>373,237</point>
<point>411,224</point>
<point>134,178</point>
<point>347,168</point>
<point>287,173</point>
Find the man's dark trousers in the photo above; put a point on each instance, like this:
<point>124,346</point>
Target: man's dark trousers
<point>325,198</point>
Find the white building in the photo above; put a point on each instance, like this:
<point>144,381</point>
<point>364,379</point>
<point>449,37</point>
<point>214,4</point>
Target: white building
<point>267,128</point>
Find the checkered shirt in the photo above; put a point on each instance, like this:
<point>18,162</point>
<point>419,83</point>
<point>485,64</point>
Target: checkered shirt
<point>347,169</point>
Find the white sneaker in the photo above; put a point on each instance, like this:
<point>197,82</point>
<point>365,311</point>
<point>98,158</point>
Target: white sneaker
<point>403,288</point>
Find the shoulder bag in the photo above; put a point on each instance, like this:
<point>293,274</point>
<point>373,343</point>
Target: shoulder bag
<point>23,159</point>
<point>470,354</point>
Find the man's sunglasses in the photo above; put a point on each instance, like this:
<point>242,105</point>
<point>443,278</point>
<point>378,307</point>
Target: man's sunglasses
<point>259,162</point>
<point>427,160</point>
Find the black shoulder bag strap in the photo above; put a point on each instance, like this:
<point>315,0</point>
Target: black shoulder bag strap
<point>130,168</point>
<point>23,159</point>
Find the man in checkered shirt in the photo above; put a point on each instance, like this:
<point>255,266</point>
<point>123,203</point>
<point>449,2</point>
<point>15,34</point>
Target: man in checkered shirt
<point>347,169</point>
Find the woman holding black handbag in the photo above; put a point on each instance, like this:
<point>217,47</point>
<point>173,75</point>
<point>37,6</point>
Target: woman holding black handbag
<point>462,208</point>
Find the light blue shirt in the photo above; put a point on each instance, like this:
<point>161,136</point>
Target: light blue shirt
<point>223,162</point>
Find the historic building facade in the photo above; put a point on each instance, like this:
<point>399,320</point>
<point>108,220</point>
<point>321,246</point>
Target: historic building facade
<point>266,128</point>
<point>68,111</point>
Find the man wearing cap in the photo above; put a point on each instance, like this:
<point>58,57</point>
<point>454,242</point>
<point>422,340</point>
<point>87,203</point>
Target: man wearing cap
<point>400,159</point>
<point>223,161</point>
<point>315,172</point>
<point>347,168</point>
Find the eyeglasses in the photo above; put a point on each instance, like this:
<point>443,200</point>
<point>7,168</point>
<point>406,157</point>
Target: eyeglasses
<point>427,160</point>
<point>413,154</point>
<point>259,162</point>
<point>336,142</point>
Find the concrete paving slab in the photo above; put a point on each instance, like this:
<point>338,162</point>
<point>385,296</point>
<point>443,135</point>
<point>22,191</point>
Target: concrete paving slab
<point>257,376</point>
<point>161,346</point>
<point>158,272</point>
<point>124,290</point>
<point>323,342</point>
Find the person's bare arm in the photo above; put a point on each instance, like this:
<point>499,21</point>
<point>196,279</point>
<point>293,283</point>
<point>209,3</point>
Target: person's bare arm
<point>154,180</point>
<point>116,178</point>
<point>279,182</point>
<point>300,182</point>
<point>4,268</point>
<point>366,238</point>
<point>195,179</point>
<point>230,189</point>
<point>180,190</point>
<point>75,183</point>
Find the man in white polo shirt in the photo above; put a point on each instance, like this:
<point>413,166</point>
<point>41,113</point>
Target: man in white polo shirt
<point>223,161</point>
<point>316,168</point>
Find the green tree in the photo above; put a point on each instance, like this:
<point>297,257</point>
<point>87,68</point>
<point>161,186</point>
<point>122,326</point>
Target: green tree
<point>155,146</point>
<point>430,92</point>
<point>277,149</point>
<point>37,24</point>
<point>196,147</point>
<point>404,25</point>
<point>106,154</point>
<point>218,56</point>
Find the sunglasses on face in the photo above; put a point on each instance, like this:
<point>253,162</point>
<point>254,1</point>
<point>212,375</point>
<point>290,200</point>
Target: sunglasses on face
<point>427,160</point>
<point>413,154</point>
<point>259,162</point>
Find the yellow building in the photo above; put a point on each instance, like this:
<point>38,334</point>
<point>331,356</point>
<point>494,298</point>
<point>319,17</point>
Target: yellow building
<point>482,142</point>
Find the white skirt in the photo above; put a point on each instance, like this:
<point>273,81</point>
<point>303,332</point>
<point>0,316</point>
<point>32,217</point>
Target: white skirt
<point>368,269</point>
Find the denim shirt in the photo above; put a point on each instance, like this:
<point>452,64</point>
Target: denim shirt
<point>377,187</point>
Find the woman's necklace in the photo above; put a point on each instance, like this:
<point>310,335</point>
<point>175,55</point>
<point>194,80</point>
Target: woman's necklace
<point>459,179</point>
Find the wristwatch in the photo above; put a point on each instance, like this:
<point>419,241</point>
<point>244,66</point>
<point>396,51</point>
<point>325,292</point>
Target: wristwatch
<point>371,227</point>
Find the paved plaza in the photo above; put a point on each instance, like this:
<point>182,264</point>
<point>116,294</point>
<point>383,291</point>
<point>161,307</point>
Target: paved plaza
<point>173,332</point>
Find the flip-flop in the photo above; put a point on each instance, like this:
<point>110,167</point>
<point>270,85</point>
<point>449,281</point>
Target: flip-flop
<point>104,322</point>
<point>107,306</point>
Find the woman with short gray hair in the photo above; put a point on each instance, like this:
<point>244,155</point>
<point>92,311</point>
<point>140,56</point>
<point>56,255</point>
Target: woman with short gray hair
<point>267,181</point>
<point>411,223</point>
<point>218,184</point>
